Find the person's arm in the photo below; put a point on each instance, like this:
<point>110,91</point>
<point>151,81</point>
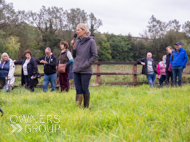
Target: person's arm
<point>165,65</point>
<point>74,48</point>
<point>185,60</point>
<point>171,62</point>
<point>18,62</point>
<point>158,69</point>
<point>69,56</point>
<point>140,61</point>
<point>11,70</point>
<point>94,53</point>
<point>39,59</point>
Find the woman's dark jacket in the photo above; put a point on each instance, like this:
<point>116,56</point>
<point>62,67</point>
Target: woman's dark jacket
<point>144,68</point>
<point>32,71</point>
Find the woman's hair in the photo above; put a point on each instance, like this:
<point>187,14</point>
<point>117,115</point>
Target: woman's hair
<point>4,54</point>
<point>83,27</point>
<point>27,51</point>
<point>64,43</point>
<point>169,47</point>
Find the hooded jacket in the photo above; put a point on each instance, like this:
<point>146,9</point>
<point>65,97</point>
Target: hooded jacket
<point>85,54</point>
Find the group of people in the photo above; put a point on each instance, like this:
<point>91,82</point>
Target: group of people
<point>171,66</point>
<point>84,53</point>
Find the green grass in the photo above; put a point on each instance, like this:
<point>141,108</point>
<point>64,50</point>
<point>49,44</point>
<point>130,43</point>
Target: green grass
<point>116,113</point>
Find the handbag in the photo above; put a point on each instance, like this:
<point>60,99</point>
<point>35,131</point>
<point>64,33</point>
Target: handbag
<point>61,68</point>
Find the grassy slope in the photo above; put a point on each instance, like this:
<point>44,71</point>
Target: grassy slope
<point>117,113</point>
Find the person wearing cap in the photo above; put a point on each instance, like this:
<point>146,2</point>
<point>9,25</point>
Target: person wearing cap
<point>178,60</point>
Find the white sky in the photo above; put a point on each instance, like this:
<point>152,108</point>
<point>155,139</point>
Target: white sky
<point>118,16</point>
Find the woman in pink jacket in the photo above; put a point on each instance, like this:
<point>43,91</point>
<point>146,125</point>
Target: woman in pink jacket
<point>161,71</point>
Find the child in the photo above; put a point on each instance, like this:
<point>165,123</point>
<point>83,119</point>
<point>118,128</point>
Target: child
<point>161,71</point>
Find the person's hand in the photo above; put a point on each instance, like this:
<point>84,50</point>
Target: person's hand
<point>33,77</point>
<point>14,60</point>
<point>42,61</point>
<point>142,63</point>
<point>45,62</point>
<point>6,78</point>
<point>73,44</point>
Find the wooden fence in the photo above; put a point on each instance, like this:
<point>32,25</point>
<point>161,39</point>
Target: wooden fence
<point>98,74</point>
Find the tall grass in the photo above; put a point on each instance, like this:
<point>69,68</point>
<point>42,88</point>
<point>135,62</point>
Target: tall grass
<point>116,113</point>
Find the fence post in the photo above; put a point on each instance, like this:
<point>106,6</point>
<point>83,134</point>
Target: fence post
<point>98,70</point>
<point>135,74</point>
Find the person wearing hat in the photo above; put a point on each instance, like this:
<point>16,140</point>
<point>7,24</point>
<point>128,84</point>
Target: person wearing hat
<point>178,60</point>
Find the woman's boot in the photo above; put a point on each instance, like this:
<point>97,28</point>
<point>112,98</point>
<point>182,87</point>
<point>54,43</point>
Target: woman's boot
<point>86,100</point>
<point>79,99</point>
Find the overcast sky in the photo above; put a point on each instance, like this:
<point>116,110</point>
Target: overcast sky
<point>118,16</point>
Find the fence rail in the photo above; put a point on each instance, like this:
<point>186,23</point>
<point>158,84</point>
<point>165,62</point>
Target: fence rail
<point>98,74</point>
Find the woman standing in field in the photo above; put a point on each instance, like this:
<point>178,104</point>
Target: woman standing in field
<point>67,59</point>
<point>161,71</point>
<point>29,71</point>
<point>7,68</point>
<point>168,65</point>
<point>84,53</point>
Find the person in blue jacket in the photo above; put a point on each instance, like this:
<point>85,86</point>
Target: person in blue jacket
<point>178,60</point>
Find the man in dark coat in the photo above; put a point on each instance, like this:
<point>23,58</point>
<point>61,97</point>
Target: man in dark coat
<point>50,61</point>
<point>149,68</point>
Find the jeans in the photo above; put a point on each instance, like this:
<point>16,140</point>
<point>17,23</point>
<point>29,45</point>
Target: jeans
<point>151,78</point>
<point>162,79</point>
<point>168,76</point>
<point>177,71</point>
<point>49,78</point>
<point>82,83</point>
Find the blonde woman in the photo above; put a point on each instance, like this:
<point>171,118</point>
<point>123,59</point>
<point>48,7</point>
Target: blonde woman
<point>84,53</point>
<point>7,69</point>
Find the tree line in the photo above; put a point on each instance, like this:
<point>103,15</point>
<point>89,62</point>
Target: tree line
<point>21,30</point>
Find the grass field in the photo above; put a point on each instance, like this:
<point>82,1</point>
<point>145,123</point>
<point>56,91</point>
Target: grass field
<point>116,113</point>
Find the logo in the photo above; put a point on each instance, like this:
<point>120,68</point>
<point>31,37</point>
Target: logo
<point>29,123</point>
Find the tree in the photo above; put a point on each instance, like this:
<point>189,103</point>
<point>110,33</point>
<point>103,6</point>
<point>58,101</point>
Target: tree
<point>156,28</point>
<point>121,48</point>
<point>74,17</point>
<point>51,23</point>
<point>186,28</point>
<point>174,25</point>
<point>94,23</point>
<point>12,47</point>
